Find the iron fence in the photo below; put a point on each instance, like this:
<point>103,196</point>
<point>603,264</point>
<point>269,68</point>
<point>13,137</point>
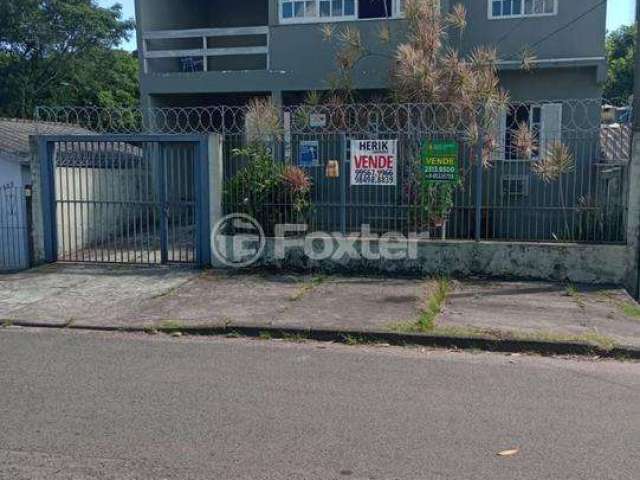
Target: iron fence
<point>568,184</point>
<point>14,245</point>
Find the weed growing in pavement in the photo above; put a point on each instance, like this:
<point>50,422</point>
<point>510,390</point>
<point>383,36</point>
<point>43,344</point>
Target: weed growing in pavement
<point>307,287</point>
<point>437,292</point>
<point>265,336</point>
<point>171,325</point>
<point>295,337</point>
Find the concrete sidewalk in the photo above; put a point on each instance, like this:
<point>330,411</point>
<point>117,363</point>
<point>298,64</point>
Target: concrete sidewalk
<point>132,297</point>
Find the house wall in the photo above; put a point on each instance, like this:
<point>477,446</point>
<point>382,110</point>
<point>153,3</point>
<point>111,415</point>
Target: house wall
<point>583,38</point>
<point>11,171</point>
<point>186,14</point>
<point>300,60</point>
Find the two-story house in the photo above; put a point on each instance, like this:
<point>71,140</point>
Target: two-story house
<point>207,52</point>
<point>197,53</point>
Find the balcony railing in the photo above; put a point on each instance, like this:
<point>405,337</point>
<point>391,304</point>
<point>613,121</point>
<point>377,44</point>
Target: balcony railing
<point>210,49</point>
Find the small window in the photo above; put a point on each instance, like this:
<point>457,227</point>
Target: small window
<point>515,185</point>
<point>539,7</point>
<point>375,9</point>
<point>310,11</point>
<point>522,8</point>
<point>301,11</point>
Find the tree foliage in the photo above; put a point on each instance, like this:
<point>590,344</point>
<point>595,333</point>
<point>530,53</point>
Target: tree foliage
<point>63,52</point>
<point>620,47</point>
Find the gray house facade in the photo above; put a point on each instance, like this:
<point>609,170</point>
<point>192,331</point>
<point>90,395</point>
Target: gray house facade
<point>205,52</point>
<point>197,53</point>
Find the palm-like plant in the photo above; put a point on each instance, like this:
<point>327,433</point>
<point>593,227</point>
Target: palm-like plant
<point>553,164</point>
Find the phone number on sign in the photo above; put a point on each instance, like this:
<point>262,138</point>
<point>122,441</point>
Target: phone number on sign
<point>374,177</point>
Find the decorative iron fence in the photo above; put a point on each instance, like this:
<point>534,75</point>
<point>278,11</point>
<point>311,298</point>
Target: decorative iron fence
<point>531,171</point>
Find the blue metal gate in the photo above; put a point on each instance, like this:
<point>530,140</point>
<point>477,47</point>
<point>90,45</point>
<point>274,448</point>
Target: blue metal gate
<point>139,199</point>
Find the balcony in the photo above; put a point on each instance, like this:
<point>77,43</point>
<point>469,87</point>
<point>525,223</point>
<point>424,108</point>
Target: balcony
<point>206,49</point>
<point>189,36</point>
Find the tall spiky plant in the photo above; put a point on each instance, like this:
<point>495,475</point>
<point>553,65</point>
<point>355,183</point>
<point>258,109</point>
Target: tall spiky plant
<point>262,122</point>
<point>556,162</point>
<point>429,68</point>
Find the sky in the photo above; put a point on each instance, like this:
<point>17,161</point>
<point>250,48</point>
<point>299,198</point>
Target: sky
<point>619,12</point>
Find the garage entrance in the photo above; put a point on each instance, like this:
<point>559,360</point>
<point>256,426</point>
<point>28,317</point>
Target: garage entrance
<point>135,199</point>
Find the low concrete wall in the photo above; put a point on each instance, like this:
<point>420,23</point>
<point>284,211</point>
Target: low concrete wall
<point>592,264</point>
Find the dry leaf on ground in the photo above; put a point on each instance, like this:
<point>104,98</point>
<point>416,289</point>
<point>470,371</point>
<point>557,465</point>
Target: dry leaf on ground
<point>508,453</point>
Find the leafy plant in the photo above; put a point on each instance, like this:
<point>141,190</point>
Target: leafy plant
<point>267,190</point>
<point>429,202</point>
<point>298,185</point>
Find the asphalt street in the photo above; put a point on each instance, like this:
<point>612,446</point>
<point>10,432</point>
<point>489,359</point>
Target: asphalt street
<point>115,406</point>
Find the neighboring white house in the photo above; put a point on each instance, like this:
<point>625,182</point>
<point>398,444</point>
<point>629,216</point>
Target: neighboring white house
<point>15,179</point>
<point>14,176</point>
<point>87,212</point>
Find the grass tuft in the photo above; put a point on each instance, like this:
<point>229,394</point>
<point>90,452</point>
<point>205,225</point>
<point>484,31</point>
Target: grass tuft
<point>630,309</point>
<point>149,330</point>
<point>436,296</point>
<point>571,290</point>
<point>295,337</point>
<point>353,340</point>
<point>171,325</point>
<point>308,287</point>
<point>265,336</point>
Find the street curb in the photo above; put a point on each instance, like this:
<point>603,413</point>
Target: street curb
<point>364,337</point>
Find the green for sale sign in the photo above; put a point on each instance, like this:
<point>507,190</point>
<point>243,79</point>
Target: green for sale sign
<point>440,161</point>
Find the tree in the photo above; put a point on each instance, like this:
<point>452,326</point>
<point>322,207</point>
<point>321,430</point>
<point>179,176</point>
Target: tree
<point>110,80</point>
<point>61,51</point>
<point>620,47</point>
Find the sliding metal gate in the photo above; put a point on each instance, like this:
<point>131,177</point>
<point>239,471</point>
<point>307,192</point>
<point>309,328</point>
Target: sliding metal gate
<point>140,199</point>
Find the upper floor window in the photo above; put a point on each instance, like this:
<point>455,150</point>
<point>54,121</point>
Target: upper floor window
<point>522,8</point>
<point>309,11</point>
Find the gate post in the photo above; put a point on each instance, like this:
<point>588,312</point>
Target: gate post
<point>633,218</point>
<point>215,212</point>
<point>43,201</point>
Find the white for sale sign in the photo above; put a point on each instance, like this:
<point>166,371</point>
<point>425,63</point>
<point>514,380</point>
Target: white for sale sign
<point>374,162</point>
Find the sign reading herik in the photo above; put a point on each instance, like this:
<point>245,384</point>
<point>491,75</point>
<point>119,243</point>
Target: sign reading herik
<point>440,161</point>
<point>374,162</point>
